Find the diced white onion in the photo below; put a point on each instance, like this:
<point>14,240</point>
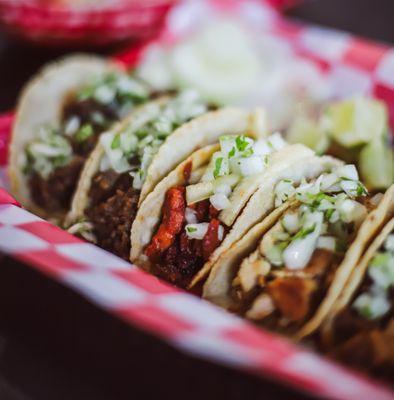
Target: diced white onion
<point>46,150</point>
<point>261,148</point>
<point>283,190</point>
<point>190,216</point>
<point>372,307</point>
<point>72,125</point>
<point>326,243</point>
<point>250,165</point>
<point>196,231</point>
<point>382,275</point>
<point>276,141</point>
<point>291,222</point>
<point>223,189</point>
<point>104,94</point>
<point>328,181</point>
<point>138,179</point>
<point>307,189</point>
<point>219,201</point>
<point>227,143</point>
<point>350,187</point>
<point>128,142</point>
<point>220,232</point>
<point>274,254</point>
<point>298,253</point>
<point>351,211</point>
<point>325,205</point>
<point>334,217</point>
<point>314,219</point>
<point>80,226</point>
<point>389,243</point>
<point>127,85</point>
<point>348,171</point>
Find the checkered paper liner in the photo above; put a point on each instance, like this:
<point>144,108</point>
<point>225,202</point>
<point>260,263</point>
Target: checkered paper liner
<point>185,321</point>
<point>192,325</point>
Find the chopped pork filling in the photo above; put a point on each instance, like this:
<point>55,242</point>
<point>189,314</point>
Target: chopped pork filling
<point>175,256</point>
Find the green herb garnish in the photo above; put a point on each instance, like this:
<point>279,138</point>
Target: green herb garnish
<point>361,190</point>
<point>84,133</point>
<point>241,143</point>
<point>218,166</point>
<point>303,232</point>
<point>329,213</point>
<point>231,153</point>
<point>115,142</point>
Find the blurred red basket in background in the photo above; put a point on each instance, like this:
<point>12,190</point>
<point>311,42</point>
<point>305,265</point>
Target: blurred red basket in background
<point>83,22</point>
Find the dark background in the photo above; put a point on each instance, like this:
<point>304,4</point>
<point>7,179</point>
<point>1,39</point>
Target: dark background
<point>54,345</point>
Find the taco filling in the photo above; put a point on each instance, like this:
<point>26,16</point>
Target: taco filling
<point>281,284</point>
<point>116,187</point>
<point>53,160</point>
<point>195,217</point>
<point>366,326</point>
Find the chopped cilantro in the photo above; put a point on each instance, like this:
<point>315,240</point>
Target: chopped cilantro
<point>366,312</point>
<point>303,232</point>
<point>84,133</point>
<point>218,166</point>
<point>241,143</point>
<point>361,190</point>
<point>329,213</point>
<point>141,133</point>
<point>85,93</point>
<point>231,153</point>
<point>115,142</point>
<point>380,259</point>
<point>191,229</point>
<point>316,199</point>
<point>248,152</point>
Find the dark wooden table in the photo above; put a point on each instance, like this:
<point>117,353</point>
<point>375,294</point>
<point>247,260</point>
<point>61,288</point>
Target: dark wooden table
<point>54,345</point>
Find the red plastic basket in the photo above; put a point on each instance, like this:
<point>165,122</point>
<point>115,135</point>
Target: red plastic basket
<point>50,24</point>
<point>186,322</point>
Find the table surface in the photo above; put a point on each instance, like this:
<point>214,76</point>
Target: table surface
<point>64,348</point>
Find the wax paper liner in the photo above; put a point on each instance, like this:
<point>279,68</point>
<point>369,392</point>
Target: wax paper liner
<point>192,325</point>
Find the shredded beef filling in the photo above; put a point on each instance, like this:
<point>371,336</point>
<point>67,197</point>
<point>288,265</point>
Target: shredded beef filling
<point>54,193</point>
<point>365,344</point>
<point>112,211</point>
<point>175,257</point>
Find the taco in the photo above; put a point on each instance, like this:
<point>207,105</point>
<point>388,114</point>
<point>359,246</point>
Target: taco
<point>360,328</point>
<point>129,161</point>
<point>202,206</point>
<point>288,270</point>
<point>59,117</point>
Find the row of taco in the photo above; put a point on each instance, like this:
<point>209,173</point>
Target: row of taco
<point>209,200</point>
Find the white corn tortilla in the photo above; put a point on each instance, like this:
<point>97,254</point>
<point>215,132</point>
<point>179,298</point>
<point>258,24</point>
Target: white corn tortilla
<point>41,103</point>
<point>218,286</point>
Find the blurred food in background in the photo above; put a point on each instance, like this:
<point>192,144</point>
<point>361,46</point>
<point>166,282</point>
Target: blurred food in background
<point>229,64</point>
<point>355,130</point>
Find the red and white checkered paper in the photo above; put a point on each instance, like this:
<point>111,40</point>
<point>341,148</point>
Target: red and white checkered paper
<point>187,322</point>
